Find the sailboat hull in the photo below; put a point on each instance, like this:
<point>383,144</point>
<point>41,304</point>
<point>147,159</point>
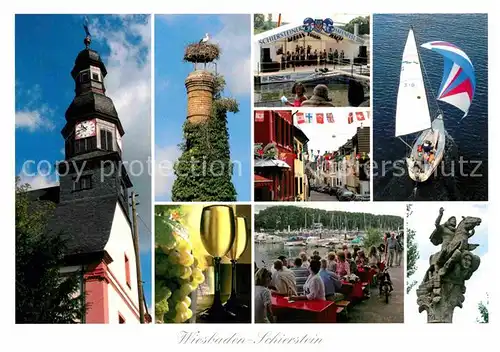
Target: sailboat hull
<point>422,171</point>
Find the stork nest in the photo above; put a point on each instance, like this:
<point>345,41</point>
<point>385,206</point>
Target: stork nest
<point>201,52</point>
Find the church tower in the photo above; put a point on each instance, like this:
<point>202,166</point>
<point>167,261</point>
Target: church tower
<point>93,136</point>
<point>92,212</point>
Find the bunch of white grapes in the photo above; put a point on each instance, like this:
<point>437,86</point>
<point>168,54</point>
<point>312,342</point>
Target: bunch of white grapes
<point>176,275</point>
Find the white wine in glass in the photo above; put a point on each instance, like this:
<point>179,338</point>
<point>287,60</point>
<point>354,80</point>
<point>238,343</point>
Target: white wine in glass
<point>239,246</point>
<point>217,230</point>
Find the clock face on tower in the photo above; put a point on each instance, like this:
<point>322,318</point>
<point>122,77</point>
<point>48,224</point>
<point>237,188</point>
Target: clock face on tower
<point>85,129</point>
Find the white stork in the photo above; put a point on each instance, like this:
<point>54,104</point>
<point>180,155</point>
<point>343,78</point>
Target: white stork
<point>205,39</point>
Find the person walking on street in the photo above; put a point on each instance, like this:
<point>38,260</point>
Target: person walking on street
<point>399,249</point>
<point>391,243</point>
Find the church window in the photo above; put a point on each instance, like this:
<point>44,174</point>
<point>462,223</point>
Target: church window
<point>127,272</point>
<point>84,182</point>
<point>85,145</point>
<point>84,76</point>
<point>96,74</point>
<point>69,146</point>
<point>106,140</point>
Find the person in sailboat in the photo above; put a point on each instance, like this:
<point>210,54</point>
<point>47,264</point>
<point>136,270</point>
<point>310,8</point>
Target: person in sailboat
<point>418,165</point>
<point>432,157</point>
<point>427,146</point>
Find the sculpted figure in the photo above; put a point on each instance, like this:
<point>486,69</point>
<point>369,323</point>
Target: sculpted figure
<point>442,235</point>
<point>443,286</point>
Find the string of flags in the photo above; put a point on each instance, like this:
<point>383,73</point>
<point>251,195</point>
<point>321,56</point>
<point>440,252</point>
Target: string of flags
<point>315,116</point>
<point>336,116</point>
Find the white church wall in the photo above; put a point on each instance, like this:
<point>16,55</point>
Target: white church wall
<point>120,243</point>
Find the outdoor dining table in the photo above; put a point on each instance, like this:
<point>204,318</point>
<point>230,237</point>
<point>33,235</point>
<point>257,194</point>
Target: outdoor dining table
<point>366,274</point>
<point>356,291</point>
<point>322,311</point>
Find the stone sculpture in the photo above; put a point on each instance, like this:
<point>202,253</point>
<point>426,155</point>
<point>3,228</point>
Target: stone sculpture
<point>443,286</point>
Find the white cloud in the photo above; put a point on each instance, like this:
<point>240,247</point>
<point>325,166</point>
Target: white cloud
<point>234,41</point>
<point>38,181</point>
<point>128,84</point>
<point>165,158</point>
<point>33,120</point>
<point>422,221</point>
<point>34,115</point>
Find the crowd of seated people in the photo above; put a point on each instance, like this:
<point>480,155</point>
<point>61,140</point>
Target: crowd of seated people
<point>313,278</point>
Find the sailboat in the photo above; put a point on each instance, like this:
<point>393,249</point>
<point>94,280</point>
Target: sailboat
<point>412,111</point>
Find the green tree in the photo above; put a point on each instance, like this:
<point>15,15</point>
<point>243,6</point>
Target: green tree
<point>298,217</point>
<point>373,238</point>
<point>43,295</point>
<point>412,254</point>
<point>204,170</point>
<point>483,310</point>
<point>263,24</point>
<point>258,20</point>
<point>364,25</point>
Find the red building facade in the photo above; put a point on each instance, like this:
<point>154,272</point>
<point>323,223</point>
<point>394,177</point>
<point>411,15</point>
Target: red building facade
<point>274,175</point>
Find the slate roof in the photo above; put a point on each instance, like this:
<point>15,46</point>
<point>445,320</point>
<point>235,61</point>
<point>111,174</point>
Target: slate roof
<point>84,223</point>
<point>49,193</point>
<point>85,58</point>
<point>91,102</point>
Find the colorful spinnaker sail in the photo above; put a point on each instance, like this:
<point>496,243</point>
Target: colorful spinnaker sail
<point>459,81</point>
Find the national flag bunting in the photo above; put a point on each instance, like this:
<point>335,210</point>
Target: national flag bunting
<point>300,117</point>
<point>259,116</point>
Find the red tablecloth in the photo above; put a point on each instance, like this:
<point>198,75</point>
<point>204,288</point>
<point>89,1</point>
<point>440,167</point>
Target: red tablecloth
<point>357,290</point>
<point>323,311</point>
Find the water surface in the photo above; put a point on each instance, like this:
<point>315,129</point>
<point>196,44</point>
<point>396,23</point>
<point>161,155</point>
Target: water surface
<point>466,140</point>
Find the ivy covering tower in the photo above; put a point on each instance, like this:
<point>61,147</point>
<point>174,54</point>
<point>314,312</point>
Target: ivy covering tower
<point>204,169</point>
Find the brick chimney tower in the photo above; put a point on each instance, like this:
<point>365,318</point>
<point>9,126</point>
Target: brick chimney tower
<point>200,88</point>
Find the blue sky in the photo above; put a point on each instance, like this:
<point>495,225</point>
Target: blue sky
<point>172,34</point>
<point>46,48</point>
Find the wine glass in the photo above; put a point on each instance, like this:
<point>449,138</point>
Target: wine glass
<point>239,246</point>
<point>217,231</point>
